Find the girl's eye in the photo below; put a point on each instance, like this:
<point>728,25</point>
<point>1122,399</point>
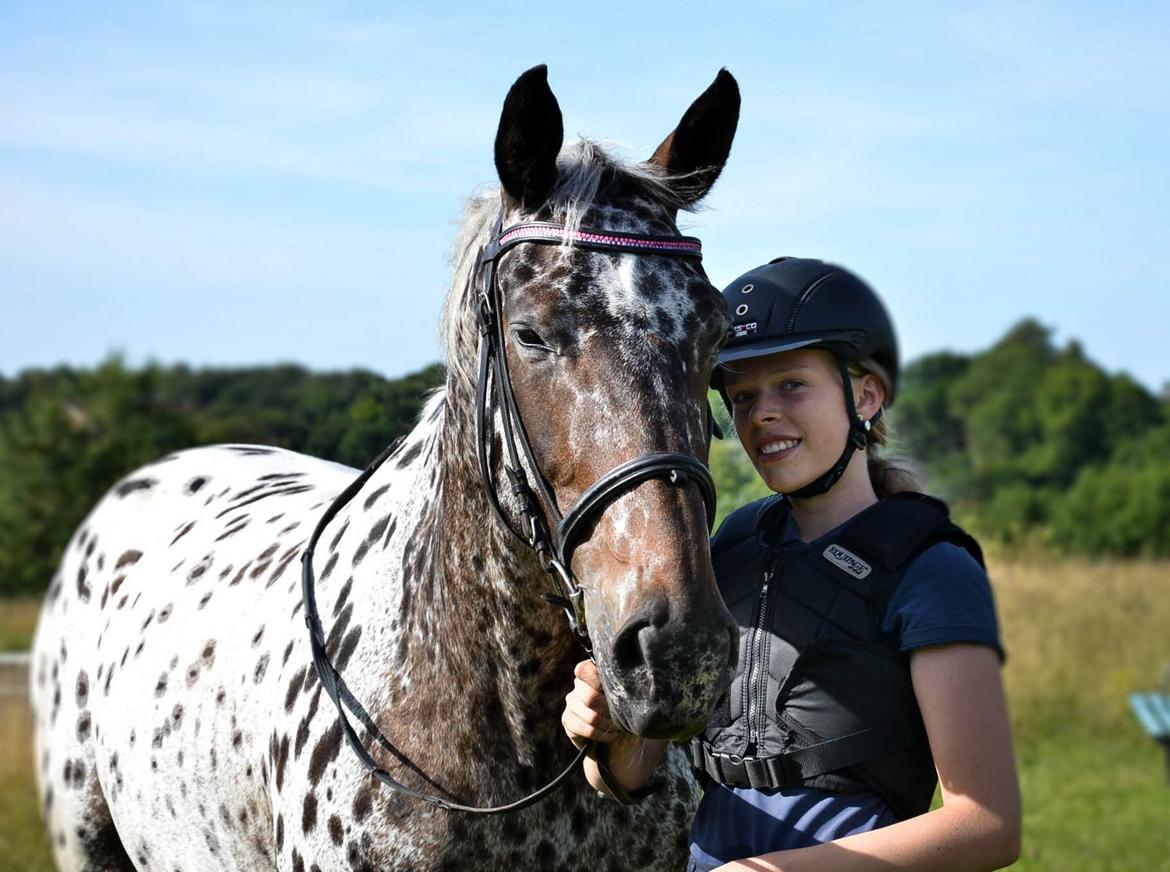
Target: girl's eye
<point>740,398</point>
<point>792,384</point>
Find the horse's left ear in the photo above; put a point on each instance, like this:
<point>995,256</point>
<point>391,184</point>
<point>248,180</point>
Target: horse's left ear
<point>529,139</point>
<point>698,148</point>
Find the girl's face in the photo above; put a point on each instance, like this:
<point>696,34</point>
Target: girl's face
<point>789,413</point>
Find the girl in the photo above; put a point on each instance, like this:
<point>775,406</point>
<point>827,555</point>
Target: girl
<point>869,651</point>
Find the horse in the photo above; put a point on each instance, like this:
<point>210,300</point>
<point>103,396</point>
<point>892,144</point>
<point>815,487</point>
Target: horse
<point>179,721</point>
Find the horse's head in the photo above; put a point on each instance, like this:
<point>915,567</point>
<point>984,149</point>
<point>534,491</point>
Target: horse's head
<point>610,355</point>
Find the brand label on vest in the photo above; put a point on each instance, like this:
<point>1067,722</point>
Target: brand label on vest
<point>847,561</point>
<point>747,329</point>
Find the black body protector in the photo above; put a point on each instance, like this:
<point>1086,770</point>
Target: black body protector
<point>823,697</point>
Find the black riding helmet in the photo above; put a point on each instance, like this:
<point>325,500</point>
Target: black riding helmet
<point>794,302</point>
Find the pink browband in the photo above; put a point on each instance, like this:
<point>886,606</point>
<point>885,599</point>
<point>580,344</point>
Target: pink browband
<point>600,239</point>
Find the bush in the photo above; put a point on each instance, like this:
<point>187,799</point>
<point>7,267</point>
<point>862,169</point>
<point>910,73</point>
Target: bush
<point>1122,507</point>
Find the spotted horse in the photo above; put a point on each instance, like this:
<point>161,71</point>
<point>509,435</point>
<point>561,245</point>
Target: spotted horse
<point>180,723</point>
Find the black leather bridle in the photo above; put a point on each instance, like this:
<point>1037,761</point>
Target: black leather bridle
<point>553,536</point>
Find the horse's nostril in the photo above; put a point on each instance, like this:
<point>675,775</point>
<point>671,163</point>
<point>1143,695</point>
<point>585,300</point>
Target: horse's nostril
<point>627,646</point>
<point>633,643</point>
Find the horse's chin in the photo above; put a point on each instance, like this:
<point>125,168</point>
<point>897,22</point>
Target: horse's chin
<point>655,722</point>
<point>664,709</point>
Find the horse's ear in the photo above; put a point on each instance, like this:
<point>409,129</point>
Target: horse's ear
<point>697,149</point>
<point>529,139</point>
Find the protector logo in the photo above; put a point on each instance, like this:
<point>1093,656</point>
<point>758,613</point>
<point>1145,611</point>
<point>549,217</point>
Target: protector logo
<point>848,561</point>
<point>747,329</point>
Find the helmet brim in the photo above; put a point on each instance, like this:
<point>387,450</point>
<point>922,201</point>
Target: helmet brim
<point>836,343</point>
<point>844,343</point>
<point>775,345</point>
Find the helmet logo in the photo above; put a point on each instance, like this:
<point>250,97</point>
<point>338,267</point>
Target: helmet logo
<point>740,330</point>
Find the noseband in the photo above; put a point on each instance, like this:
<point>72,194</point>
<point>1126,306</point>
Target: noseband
<point>553,536</point>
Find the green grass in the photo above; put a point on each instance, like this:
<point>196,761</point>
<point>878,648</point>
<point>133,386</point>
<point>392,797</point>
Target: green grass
<point>1094,802</point>
<point>23,847</point>
<point>1080,637</point>
<point>18,620</point>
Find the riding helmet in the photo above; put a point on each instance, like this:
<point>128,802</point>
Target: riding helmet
<point>796,302</point>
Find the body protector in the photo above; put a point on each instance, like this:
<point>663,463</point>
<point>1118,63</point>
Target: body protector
<point>823,697</point>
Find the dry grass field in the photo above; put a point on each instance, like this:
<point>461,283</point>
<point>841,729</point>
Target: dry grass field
<point>1080,637</point>
<point>18,618</point>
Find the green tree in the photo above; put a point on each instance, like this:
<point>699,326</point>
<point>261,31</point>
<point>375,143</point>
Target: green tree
<point>1123,506</point>
<point>62,450</point>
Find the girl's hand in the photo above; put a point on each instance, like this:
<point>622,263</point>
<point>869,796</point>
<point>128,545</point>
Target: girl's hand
<point>586,715</point>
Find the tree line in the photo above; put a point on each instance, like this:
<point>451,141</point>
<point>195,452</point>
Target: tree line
<point>1031,443</point>
<point>1035,444</point>
<point>66,435</point>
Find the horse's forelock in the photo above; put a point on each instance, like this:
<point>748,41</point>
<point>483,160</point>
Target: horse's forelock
<point>582,167</point>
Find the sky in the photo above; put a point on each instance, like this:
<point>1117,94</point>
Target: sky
<point>237,184</point>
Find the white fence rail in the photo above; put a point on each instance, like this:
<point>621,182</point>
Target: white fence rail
<point>13,673</point>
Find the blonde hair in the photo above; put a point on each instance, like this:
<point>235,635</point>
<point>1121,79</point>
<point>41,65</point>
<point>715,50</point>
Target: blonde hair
<point>889,473</point>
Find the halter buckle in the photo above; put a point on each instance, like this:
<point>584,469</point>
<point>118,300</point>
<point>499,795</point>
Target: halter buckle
<point>484,313</point>
<point>574,601</point>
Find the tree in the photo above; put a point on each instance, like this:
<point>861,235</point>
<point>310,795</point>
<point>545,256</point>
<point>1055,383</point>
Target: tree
<point>62,450</point>
<point>1122,506</point>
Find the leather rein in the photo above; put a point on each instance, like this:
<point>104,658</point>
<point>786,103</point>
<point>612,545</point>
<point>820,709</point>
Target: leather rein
<point>553,536</point>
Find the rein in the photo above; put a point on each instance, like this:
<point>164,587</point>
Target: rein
<point>553,536</point>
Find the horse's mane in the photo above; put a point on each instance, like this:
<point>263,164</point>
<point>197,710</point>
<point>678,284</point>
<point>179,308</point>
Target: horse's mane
<point>582,166</point>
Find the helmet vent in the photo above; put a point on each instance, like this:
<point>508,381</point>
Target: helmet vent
<point>804,298</point>
<point>747,289</point>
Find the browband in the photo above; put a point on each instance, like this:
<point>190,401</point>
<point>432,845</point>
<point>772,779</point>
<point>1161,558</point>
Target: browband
<point>590,238</point>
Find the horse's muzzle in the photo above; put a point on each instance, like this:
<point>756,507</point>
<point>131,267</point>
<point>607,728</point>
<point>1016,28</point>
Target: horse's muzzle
<point>664,677</point>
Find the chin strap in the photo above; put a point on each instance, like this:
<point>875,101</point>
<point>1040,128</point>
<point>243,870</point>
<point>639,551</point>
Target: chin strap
<point>857,440</point>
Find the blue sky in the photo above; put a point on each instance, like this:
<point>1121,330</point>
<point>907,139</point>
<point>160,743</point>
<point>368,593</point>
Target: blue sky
<point>249,183</point>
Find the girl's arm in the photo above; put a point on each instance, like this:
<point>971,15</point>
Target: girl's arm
<point>978,826</point>
<point>586,718</point>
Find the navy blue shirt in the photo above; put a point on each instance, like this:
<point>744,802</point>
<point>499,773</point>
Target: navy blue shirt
<point>944,597</point>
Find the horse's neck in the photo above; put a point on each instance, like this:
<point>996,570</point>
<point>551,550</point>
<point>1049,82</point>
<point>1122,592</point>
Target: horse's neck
<point>499,638</point>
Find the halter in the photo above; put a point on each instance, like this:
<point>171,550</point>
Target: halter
<point>554,537</point>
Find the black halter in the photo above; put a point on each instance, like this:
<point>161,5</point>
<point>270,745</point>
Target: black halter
<point>554,539</point>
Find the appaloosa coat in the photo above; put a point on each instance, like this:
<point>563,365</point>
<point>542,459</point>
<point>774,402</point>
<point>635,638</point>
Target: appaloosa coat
<point>179,723</point>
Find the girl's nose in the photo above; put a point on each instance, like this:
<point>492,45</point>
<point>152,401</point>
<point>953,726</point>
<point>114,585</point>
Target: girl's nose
<point>764,412</point>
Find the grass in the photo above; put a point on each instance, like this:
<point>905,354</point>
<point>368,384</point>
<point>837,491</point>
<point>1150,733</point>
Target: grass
<point>1080,636</point>
<point>23,844</point>
<point>18,619</point>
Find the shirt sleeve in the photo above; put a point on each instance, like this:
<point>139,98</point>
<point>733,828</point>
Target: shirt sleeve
<point>944,597</point>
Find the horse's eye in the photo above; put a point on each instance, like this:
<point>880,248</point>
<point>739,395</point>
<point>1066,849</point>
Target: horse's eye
<point>529,338</point>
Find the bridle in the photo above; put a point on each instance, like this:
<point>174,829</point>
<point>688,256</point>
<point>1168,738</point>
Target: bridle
<point>553,536</point>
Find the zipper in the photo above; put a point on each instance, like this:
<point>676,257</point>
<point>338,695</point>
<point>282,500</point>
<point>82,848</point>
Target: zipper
<point>756,669</point>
